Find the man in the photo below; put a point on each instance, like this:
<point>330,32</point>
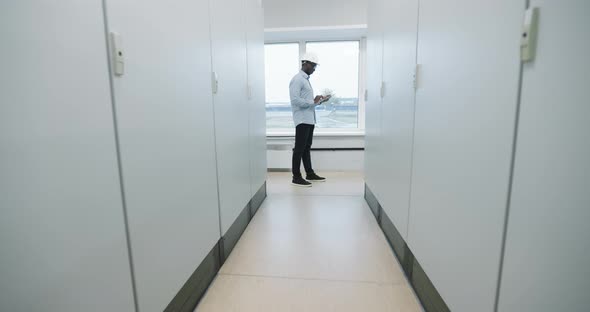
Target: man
<point>303,105</point>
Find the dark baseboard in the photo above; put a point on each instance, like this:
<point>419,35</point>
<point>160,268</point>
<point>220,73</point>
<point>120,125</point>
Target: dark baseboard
<point>373,203</point>
<point>429,296</point>
<point>427,293</point>
<point>279,169</point>
<point>257,199</point>
<point>234,232</point>
<point>193,290</point>
<point>395,240</point>
<point>335,149</point>
<point>187,299</point>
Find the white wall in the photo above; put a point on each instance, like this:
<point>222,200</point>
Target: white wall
<point>321,160</point>
<point>314,13</point>
<point>62,231</point>
<point>280,153</point>
<point>546,264</point>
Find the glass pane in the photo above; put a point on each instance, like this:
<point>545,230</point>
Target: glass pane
<point>338,74</point>
<point>281,64</point>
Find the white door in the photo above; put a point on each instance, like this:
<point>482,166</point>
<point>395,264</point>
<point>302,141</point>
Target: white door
<point>165,121</point>
<point>397,111</point>
<point>228,37</point>
<point>257,105</point>
<point>469,55</point>
<point>547,248</point>
<point>373,144</point>
<point>62,232</point>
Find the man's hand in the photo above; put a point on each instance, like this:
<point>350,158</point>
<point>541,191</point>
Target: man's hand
<point>326,98</point>
<point>318,99</point>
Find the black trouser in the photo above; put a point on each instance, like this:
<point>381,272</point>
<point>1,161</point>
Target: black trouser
<point>302,150</point>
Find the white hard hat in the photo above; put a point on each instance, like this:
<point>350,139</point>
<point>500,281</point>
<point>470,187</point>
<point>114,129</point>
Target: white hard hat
<point>310,57</point>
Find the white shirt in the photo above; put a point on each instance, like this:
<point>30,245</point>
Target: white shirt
<point>302,103</point>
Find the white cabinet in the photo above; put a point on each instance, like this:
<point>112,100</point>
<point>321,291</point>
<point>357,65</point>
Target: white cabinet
<point>374,154</point>
<point>256,100</point>
<point>166,133</point>
<point>229,55</point>
<point>464,127</point>
<point>547,249</point>
<point>111,177</point>
<point>397,111</point>
<point>472,135</point>
<point>62,231</point>
<point>391,59</point>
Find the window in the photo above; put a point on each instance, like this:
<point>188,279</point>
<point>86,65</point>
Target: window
<point>281,64</point>
<point>339,73</point>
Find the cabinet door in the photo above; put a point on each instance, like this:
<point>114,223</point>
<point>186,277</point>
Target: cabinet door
<point>166,133</point>
<point>397,112</point>
<point>464,129</point>
<point>373,144</point>
<point>257,101</point>
<point>547,249</point>
<point>62,232</point>
<point>228,37</point>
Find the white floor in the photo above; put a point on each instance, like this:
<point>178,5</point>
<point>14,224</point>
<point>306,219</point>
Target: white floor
<point>312,249</point>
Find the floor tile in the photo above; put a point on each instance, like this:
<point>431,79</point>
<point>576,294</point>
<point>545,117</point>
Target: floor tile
<point>319,237</point>
<point>338,183</point>
<point>312,249</point>
<point>260,294</point>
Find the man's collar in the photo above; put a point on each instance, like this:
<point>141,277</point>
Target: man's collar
<point>306,76</point>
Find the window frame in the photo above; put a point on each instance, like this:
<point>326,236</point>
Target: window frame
<point>360,130</point>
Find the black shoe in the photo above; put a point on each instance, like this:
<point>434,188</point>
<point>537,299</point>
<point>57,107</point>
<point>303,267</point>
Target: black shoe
<point>315,178</point>
<point>299,181</point>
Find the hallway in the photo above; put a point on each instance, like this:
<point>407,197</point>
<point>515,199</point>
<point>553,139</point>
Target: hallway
<point>312,249</point>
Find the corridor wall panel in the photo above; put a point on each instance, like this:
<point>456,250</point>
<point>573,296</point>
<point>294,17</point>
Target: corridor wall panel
<point>547,249</point>
<point>257,100</point>
<point>469,58</point>
<point>397,112</point>
<point>165,120</point>
<point>62,231</point>
<point>232,111</point>
<point>374,154</point>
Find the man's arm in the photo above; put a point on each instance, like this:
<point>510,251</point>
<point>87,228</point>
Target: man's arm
<point>297,100</point>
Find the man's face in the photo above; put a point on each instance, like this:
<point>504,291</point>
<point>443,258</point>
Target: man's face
<point>309,68</point>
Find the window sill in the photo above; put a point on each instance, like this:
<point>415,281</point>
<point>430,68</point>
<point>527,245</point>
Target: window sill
<point>324,133</point>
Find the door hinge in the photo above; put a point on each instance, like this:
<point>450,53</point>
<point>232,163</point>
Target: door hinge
<point>528,39</point>
<point>214,82</point>
<point>118,55</point>
<point>415,76</point>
